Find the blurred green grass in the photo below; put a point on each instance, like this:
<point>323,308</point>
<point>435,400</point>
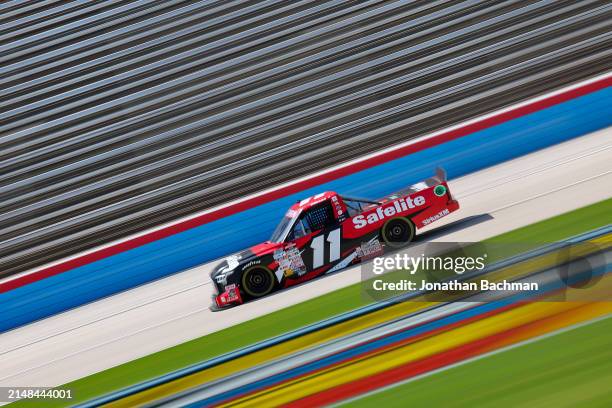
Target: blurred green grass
<point>569,369</point>
<point>299,315</point>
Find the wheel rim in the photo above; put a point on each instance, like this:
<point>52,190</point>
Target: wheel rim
<point>257,282</point>
<point>397,232</point>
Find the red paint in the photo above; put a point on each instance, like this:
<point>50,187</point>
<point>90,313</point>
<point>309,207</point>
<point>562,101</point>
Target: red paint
<point>394,375</point>
<point>415,368</point>
<point>404,342</point>
<point>401,206</point>
<point>305,184</point>
<point>265,248</point>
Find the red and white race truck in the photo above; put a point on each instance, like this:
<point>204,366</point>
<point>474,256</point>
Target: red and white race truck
<point>328,232</point>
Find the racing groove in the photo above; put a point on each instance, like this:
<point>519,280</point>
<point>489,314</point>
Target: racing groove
<point>116,117</point>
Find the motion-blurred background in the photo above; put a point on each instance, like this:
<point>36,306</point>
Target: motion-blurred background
<point>140,141</point>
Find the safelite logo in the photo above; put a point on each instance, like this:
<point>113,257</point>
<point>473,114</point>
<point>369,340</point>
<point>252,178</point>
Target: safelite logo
<point>395,207</point>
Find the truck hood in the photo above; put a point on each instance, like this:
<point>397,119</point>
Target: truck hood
<point>231,262</point>
<point>265,248</point>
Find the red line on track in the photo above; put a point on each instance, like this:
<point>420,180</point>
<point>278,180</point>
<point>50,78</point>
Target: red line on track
<point>388,347</point>
<point>413,369</point>
<point>311,182</point>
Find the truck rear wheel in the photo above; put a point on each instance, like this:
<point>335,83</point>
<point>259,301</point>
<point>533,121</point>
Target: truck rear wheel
<point>258,281</point>
<point>397,232</point>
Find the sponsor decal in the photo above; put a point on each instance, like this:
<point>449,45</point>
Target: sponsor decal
<point>343,263</point>
<point>367,250</point>
<point>437,216</point>
<point>231,294</point>
<point>370,249</point>
<point>290,262</point>
<point>337,205</point>
<point>253,262</point>
<point>382,212</point>
<point>310,201</point>
<point>440,190</point>
<point>232,263</point>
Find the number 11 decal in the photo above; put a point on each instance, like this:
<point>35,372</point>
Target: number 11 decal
<point>318,250</point>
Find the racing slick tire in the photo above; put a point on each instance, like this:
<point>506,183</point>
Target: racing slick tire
<point>397,232</point>
<point>258,281</point>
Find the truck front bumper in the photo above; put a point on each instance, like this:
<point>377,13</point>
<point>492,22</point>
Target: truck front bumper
<point>229,297</point>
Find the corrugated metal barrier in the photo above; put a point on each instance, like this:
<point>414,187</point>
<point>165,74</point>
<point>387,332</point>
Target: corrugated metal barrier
<point>116,116</point>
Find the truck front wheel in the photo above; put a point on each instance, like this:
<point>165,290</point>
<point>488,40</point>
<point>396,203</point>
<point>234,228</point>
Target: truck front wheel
<point>258,281</point>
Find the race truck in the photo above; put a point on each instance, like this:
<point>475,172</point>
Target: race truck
<point>327,232</point>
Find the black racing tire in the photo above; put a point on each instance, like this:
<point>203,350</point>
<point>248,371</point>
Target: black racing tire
<point>397,232</point>
<point>258,281</point>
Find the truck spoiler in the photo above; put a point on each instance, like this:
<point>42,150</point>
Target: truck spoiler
<point>440,174</point>
<point>440,177</point>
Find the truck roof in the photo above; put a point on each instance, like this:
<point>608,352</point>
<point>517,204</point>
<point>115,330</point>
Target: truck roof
<point>313,200</point>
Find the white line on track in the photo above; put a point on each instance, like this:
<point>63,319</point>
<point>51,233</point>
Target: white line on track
<point>584,155</point>
<point>173,310</point>
<point>113,314</point>
<point>551,191</point>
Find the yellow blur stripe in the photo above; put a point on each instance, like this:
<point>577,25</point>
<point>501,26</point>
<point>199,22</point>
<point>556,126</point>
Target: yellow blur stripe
<point>605,241</point>
<point>567,313</point>
<point>274,352</point>
<point>325,335</point>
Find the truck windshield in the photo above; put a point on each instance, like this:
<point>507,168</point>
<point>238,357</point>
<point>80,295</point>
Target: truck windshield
<point>279,232</point>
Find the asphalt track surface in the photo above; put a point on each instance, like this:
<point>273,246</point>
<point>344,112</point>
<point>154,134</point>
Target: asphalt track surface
<point>175,309</point>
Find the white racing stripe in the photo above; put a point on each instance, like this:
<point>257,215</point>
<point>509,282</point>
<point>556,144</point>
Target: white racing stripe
<point>173,310</point>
